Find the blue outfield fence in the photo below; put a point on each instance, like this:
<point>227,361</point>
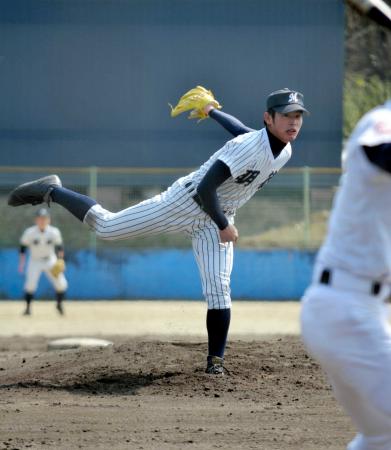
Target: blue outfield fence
<point>166,274</point>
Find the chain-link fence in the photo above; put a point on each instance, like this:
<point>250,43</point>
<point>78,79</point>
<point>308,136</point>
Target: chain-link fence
<point>289,212</point>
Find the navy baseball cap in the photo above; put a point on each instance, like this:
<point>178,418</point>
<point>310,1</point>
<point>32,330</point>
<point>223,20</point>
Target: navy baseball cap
<point>286,101</point>
<point>42,212</point>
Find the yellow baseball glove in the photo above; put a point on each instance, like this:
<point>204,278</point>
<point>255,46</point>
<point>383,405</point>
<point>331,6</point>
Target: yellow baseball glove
<point>195,100</point>
<point>58,267</point>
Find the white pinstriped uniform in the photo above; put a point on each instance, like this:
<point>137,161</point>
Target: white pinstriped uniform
<point>251,163</point>
<point>41,245</point>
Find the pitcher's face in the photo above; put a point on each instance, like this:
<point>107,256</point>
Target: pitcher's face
<point>285,127</point>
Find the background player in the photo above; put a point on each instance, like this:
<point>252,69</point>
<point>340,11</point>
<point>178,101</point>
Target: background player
<point>46,247</point>
<point>202,204</point>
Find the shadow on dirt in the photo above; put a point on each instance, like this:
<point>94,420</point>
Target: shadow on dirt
<point>120,383</point>
<point>124,383</point>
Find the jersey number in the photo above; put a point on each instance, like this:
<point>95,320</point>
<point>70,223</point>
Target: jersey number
<point>248,177</point>
<point>271,175</point>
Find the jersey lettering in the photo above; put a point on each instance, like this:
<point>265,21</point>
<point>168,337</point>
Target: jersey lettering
<point>271,175</point>
<point>248,177</point>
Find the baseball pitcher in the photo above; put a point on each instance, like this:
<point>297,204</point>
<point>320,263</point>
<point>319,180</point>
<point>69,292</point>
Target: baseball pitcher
<point>45,246</point>
<point>202,204</point>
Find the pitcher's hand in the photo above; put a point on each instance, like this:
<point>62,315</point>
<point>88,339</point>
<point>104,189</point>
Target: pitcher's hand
<point>229,234</point>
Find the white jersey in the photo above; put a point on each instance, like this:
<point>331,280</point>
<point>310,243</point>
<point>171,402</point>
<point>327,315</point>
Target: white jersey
<point>252,164</point>
<point>41,243</point>
<point>359,236</point>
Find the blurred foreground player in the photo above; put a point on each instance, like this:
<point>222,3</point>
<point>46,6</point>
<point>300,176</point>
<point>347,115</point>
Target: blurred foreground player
<point>344,316</point>
<point>202,204</point>
<point>45,246</point>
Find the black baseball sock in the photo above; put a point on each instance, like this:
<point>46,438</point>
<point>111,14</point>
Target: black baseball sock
<point>28,297</point>
<point>60,297</point>
<point>217,324</point>
<point>77,204</point>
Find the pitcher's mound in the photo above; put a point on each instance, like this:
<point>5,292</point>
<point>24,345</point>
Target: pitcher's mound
<point>69,343</point>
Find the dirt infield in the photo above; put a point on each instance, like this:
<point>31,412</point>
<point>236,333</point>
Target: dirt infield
<point>152,393</point>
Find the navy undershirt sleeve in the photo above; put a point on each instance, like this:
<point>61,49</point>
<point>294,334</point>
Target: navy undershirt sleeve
<point>214,177</point>
<point>380,155</point>
<point>230,123</point>
<point>379,17</point>
<point>58,249</point>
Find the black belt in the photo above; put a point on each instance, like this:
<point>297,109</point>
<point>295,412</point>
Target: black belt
<point>195,197</point>
<point>326,277</point>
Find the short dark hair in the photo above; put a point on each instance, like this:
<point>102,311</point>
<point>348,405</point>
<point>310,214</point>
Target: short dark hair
<point>272,113</point>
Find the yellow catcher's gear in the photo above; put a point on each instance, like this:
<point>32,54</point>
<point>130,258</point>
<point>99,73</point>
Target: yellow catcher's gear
<point>58,267</point>
<point>195,100</point>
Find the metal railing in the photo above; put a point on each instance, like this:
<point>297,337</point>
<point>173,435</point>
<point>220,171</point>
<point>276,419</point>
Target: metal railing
<point>289,212</point>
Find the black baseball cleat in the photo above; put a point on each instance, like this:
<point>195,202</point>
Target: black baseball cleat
<point>60,309</point>
<point>215,365</point>
<point>34,192</point>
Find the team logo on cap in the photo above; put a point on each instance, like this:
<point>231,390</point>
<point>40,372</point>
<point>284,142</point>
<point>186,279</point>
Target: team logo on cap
<point>293,97</point>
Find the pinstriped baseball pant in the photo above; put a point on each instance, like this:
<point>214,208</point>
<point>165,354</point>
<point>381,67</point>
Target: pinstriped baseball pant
<point>172,211</point>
